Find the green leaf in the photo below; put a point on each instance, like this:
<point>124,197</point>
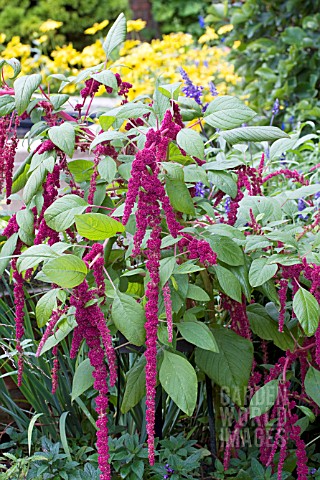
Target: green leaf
<point>231,367</point>
<point>227,250</point>
<point>64,137</point>
<point>97,226</point>
<point>81,170</point>
<point>30,430</point>
<point>116,35</point>
<point>224,182</point>
<point>260,272</point>
<point>167,266</point>
<point>58,335</point>
<point>13,63</point>
<point>253,134</point>
<point>305,191</point>
<point>264,399</point>
<point>199,334</point>
<point>312,384</point>
<point>179,196</point>
<point>34,183</point>
<point>267,329</point>
<point>106,137</point>
<point>58,100</point>
<point>82,379</point>
<point>307,310</point>
<point>129,318</point>
<point>7,251</point>
<point>106,77</point>
<point>107,169</point>
<point>35,255</point>
<point>63,435</point>
<point>227,112</point>
<point>46,304</point>
<point>7,105</point>
<point>171,90</point>
<point>281,146</point>
<point>128,110</point>
<point>191,142</point>
<point>178,378</point>
<point>187,267</point>
<point>24,87</point>
<point>197,293</point>
<point>25,220</point>
<point>135,386</point>
<point>229,283</point>
<point>67,271</point>
<point>61,213</point>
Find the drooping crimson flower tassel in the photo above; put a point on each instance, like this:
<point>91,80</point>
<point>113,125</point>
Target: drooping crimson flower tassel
<point>55,369</point>
<point>88,329</point>
<point>283,298</point>
<point>18,293</point>
<point>49,330</point>
<point>8,148</point>
<point>168,309</point>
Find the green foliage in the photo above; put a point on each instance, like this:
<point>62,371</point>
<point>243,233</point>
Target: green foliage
<point>278,54</point>
<point>23,18</point>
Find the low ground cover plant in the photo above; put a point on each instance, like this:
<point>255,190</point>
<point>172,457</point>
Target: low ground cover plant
<point>183,223</point>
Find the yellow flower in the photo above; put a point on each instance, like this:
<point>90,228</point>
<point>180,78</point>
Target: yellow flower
<point>96,27</point>
<point>210,34</point>
<point>42,39</point>
<point>2,37</point>
<point>135,25</point>
<point>236,44</point>
<point>50,25</point>
<point>225,29</point>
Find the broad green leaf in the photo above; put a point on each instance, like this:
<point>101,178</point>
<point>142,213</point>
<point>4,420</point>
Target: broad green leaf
<point>179,196</point>
<point>34,255</point>
<point>64,137</point>
<point>253,134</point>
<point>135,386</point>
<point>7,251</point>
<point>197,293</point>
<point>45,305</point>
<point>189,109</point>
<point>116,35</point>
<point>61,213</point>
<point>194,174</point>
<point>25,220</point>
<point>224,182</point>
<point>267,329</point>
<point>229,283</point>
<point>305,191</point>
<point>260,272</point>
<point>227,112</point>
<point>281,146</point>
<point>167,266</point>
<point>34,183</point>
<point>199,334</point>
<point>107,169</point>
<point>176,156</point>
<point>82,379</point>
<point>187,267</point>
<point>231,367</point>
<point>226,230</point>
<point>81,170</point>
<point>307,310</point>
<point>264,399</point>
<point>191,142</point>
<point>171,91</point>
<point>227,250</point>
<point>13,63</point>
<point>97,226</point>
<point>129,318</point>
<point>106,77</point>
<point>58,100</point>
<point>106,137</point>
<point>58,336</point>
<point>312,384</point>
<point>67,271</point>
<point>24,87</point>
<point>269,207</point>
<point>7,104</point>
<point>128,110</point>
<point>178,378</point>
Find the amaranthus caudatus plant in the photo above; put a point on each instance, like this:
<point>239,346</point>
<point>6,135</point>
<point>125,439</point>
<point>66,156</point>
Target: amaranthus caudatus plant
<point>165,230</point>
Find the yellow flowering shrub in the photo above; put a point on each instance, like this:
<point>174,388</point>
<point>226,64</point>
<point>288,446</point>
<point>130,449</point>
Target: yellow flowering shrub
<point>141,62</point>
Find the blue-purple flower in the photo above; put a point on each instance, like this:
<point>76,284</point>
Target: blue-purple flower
<point>276,107</point>
<point>301,207</point>
<point>191,90</point>
<point>201,21</point>
<point>213,90</point>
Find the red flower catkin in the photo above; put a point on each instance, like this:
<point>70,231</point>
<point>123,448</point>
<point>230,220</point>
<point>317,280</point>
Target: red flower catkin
<point>168,309</point>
